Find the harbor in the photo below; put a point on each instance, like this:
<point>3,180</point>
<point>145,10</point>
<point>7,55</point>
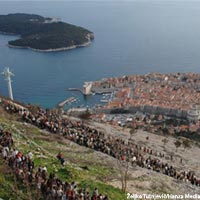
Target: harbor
<point>90,92</point>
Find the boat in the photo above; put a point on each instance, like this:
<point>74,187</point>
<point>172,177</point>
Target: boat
<point>104,100</point>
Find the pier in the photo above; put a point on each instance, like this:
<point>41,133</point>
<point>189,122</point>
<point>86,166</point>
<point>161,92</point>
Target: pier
<point>75,89</point>
<point>66,101</point>
<point>94,90</point>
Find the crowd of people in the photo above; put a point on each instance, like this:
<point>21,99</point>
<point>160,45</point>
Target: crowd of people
<point>116,147</point>
<point>49,187</point>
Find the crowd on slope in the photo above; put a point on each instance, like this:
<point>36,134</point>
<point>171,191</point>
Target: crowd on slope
<point>50,187</point>
<point>84,135</point>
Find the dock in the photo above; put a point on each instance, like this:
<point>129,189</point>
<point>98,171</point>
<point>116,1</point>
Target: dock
<point>66,101</point>
<point>75,89</point>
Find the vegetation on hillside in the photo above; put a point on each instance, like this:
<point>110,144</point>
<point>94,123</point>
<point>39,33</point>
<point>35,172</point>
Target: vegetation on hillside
<point>45,147</point>
<point>42,33</point>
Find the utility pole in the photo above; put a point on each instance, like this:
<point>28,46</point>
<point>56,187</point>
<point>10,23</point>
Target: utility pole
<point>7,74</point>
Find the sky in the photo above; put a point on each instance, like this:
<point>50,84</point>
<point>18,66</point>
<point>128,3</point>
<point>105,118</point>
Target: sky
<point>107,0</point>
<point>100,1</point>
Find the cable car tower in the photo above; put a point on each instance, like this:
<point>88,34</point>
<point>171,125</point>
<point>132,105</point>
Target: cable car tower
<point>7,74</point>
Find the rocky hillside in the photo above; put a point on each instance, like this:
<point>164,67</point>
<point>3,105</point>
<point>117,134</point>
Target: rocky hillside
<point>88,168</point>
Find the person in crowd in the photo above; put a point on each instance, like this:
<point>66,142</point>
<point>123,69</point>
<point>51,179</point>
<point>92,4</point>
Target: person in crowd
<point>61,158</point>
<point>87,136</point>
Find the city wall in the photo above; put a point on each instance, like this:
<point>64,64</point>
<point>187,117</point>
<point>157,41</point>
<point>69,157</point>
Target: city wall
<point>146,109</point>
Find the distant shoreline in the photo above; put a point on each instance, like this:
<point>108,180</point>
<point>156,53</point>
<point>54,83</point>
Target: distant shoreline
<point>52,50</point>
<point>43,34</point>
<point>6,33</point>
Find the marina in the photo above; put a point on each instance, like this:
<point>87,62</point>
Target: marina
<point>106,97</point>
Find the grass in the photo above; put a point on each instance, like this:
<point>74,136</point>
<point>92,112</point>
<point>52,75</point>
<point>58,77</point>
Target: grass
<point>9,188</point>
<point>112,192</point>
<point>28,138</point>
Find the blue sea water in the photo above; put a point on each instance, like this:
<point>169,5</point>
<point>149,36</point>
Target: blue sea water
<point>130,38</point>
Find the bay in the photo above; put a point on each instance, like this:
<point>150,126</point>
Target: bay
<point>130,38</point>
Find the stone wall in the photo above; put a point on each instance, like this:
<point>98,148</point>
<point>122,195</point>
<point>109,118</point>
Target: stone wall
<point>146,109</point>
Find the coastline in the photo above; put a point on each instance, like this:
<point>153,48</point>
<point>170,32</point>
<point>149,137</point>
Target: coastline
<point>53,50</point>
<point>11,34</point>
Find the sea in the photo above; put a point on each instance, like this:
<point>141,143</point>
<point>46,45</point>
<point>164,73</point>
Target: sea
<point>131,37</point>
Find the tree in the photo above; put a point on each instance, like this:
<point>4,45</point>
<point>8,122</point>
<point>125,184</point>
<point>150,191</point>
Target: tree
<point>177,144</point>
<point>165,130</point>
<point>186,143</point>
<point>123,167</point>
<point>165,141</point>
<point>132,132</point>
<point>85,115</point>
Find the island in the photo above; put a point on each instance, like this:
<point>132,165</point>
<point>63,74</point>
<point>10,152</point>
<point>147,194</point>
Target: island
<point>43,33</point>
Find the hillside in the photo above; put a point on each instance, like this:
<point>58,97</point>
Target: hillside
<point>87,167</point>
<point>44,34</point>
<point>80,163</point>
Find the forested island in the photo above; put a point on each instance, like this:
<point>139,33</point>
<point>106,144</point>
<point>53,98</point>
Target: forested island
<point>43,33</point>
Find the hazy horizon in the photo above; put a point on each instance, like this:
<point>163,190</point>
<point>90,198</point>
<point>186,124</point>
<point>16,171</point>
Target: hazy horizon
<point>106,0</point>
